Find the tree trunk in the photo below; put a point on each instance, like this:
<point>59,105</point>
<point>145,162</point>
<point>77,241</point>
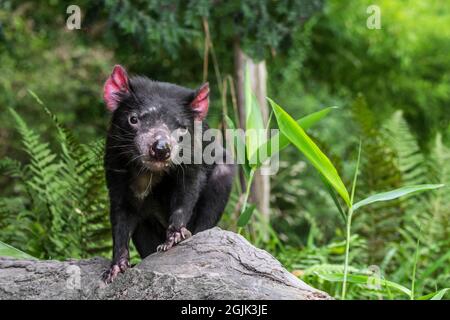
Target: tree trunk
<point>258,73</point>
<point>213,264</point>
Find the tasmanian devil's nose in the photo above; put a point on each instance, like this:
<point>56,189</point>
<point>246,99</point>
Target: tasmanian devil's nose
<point>161,150</point>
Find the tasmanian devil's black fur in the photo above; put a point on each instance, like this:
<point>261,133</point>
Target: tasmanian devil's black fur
<point>154,201</point>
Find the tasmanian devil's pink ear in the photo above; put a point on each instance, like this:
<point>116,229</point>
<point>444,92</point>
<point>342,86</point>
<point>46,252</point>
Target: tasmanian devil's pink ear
<point>200,103</point>
<point>116,84</point>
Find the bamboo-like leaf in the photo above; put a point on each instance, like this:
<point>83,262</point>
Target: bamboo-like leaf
<point>239,145</point>
<point>333,195</point>
<point>355,177</point>
<point>437,295</point>
<point>254,124</point>
<point>394,194</point>
<point>246,214</point>
<point>363,279</point>
<point>305,122</point>
<point>295,133</point>
<point>9,251</point>
<point>244,218</point>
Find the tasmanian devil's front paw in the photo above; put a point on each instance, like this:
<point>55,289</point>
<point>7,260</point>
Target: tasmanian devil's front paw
<point>174,236</point>
<point>116,268</point>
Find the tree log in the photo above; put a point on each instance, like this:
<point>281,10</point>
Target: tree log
<point>213,264</point>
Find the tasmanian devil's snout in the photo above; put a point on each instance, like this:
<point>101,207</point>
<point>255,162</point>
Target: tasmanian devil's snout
<point>161,145</point>
<point>155,145</point>
<point>155,200</point>
<point>160,150</point>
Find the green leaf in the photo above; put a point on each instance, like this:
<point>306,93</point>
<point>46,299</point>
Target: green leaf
<point>333,195</point>
<point>394,194</point>
<point>311,119</point>
<point>239,144</point>
<point>294,132</point>
<point>245,215</point>
<point>9,251</point>
<point>305,122</point>
<point>244,218</point>
<point>438,295</point>
<point>355,177</point>
<point>229,122</point>
<point>254,124</point>
<point>435,265</point>
<point>363,279</point>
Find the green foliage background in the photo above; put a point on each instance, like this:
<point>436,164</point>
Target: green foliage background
<point>392,86</point>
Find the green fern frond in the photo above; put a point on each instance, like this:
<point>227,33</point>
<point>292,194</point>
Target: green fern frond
<point>12,168</point>
<point>410,159</point>
<point>428,213</point>
<point>379,172</point>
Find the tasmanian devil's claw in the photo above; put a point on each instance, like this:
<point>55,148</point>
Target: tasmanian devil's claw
<point>174,236</point>
<point>119,267</point>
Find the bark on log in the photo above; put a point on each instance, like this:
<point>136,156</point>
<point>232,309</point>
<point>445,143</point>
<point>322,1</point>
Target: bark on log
<point>213,264</point>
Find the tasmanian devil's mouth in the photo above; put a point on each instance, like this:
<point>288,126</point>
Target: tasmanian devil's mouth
<point>155,165</point>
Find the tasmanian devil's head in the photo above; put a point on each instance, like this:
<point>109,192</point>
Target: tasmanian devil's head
<point>146,114</point>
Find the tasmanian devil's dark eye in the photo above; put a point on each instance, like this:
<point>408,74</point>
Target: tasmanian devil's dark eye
<point>133,120</point>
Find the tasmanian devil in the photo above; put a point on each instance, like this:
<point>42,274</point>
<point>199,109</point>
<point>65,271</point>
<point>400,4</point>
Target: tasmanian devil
<point>154,200</point>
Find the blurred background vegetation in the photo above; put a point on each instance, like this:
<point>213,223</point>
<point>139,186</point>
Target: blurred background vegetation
<point>392,86</point>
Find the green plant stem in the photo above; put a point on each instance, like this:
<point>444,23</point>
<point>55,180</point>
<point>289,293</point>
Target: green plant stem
<point>247,192</point>
<point>416,259</point>
<point>349,222</point>
<point>347,251</point>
